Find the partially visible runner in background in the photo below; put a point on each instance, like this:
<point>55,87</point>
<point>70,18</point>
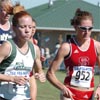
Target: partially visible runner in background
<point>35,41</point>
<point>5,25</point>
<point>32,39</point>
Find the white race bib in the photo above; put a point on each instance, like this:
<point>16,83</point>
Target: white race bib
<point>82,76</point>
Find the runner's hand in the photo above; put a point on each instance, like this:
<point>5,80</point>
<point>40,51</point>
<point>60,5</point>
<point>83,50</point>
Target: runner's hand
<point>67,93</point>
<point>21,80</point>
<point>97,94</point>
<point>40,76</point>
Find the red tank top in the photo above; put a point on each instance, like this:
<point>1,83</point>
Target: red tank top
<point>80,65</point>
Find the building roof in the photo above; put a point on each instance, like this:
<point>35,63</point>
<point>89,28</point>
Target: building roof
<point>58,16</point>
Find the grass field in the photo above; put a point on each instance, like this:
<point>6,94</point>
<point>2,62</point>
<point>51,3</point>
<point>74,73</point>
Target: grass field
<point>48,92</point>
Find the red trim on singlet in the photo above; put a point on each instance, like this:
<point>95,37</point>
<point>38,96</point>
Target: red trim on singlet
<point>74,59</point>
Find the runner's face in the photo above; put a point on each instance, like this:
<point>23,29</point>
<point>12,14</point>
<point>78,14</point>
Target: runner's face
<point>85,28</point>
<point>24,27</point>
<point>33,28</point>
<point>3,14</point>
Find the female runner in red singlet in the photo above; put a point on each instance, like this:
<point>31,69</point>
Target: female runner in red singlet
<point>80,55</point>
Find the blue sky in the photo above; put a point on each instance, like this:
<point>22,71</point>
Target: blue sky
<point>30,3</point>
<point>93,1</point>
<point>33,3</point>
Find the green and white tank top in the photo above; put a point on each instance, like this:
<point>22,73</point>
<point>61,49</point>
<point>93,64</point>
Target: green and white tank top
<point>17,64</point>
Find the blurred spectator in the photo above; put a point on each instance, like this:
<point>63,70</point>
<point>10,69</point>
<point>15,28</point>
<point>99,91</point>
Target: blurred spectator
<point>57,47</point>
<point>42,51</point>
<point>47,55</point>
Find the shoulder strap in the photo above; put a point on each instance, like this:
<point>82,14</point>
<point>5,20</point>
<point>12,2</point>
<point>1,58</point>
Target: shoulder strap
<point>32,49</point>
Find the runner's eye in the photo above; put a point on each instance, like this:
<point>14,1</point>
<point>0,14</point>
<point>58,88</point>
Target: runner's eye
<point>83,28</point>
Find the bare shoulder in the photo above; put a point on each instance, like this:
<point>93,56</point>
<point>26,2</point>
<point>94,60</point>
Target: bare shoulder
<point>5,49</point>
<point>65,46</point>
<point>5,46</point>
<point>64,49</point>
<point>36,47</point>
<point>97,45</point>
